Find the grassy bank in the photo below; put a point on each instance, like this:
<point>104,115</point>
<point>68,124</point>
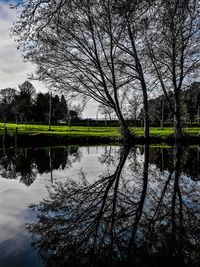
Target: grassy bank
<point>84,131</point>
<point>74,131</point>
<point>39,136</point>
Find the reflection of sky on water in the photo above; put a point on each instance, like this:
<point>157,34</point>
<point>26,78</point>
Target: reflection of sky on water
<point>88,164</point>
<point>15,245</point>
<point>16,196</point>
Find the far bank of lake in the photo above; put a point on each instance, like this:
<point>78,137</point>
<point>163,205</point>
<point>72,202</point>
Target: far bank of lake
<point>40,135</point>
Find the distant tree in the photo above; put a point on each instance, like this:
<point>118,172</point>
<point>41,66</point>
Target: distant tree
<point>24,100</point>
<point>63,107</point>
<point>106,112</point>
<point>190,103</point>
<point>73,114</point>
<point>134,105</point>
<point>190,99</point>
<point>41,107</point>
<point>7,99</point>
<point>56,108</point>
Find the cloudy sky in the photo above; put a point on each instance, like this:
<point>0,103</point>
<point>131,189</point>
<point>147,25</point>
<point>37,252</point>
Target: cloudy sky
<point>13,70</point>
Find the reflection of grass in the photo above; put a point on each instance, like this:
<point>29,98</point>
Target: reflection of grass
<point>84,131</point>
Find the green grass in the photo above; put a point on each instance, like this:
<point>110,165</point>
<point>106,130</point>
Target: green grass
<point>158,132</point>
<point>74,131</point>
<point>154,132</point>
<point>84,131</point>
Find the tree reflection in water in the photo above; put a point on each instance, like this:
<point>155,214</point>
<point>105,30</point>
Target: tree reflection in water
<point>140,217</point>
<point>25,163</point>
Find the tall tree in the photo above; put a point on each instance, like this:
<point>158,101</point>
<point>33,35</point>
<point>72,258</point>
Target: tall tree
<point>73,46</point>
<point>172,40</point>
<point>132,14</point>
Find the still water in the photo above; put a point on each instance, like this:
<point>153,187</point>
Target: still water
<point>104,205</point>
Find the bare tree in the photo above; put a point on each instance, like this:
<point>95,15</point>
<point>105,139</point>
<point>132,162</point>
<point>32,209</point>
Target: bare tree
<point>50,110</point>
<point>73,44</point>
<point>134,106</point>
<point>172,40</point>
<point>106,111</point>
<point>101,48</point>
<point>133,14</point>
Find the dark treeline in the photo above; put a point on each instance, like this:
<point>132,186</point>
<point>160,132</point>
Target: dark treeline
<point>160,111</point>
<point>25,105</point>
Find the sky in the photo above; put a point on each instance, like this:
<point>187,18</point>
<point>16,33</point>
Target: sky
<point>13,70</point>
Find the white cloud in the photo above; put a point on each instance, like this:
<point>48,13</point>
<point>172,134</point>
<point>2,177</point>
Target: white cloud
<point>13,70</point>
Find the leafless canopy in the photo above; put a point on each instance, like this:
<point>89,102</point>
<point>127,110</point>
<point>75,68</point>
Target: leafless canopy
<point>101,48</point>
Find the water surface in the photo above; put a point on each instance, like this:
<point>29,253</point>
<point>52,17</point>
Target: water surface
<point>104,205</point>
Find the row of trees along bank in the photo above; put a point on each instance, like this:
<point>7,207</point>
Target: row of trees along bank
<point>25,105</point>
<point>160,112</point>
<point>110,50</point>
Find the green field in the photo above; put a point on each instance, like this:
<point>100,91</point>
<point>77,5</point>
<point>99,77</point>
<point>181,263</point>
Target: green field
<point>84,131</point>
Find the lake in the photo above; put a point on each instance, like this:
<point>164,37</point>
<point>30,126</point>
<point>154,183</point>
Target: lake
<point>100,205</point>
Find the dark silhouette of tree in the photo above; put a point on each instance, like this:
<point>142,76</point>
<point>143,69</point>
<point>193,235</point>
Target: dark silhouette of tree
<point>63,108</point>
<point>7,103</point>
<point>131,13</point>
<point>173,47</point>
<point>77,51</point>
<point>190,103</point>
<point>105,49</point>
<point>41,107</point>
<point>24,101</point>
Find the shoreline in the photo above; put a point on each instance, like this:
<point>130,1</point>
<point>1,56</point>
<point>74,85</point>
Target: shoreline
<point>34,135</point>
<point>44,140</point>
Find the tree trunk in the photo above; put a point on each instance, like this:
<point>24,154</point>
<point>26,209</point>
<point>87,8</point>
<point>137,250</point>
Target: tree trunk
<point>50,104</point>
<point>125,132</point>
<point>142,82</point>
<point>146,114</point>
<point>25,123</point>
<point>177,118</point>
<point>177,127</point>
<point>5,121</point>
<point>162,118</point>
<point>16,120</point>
